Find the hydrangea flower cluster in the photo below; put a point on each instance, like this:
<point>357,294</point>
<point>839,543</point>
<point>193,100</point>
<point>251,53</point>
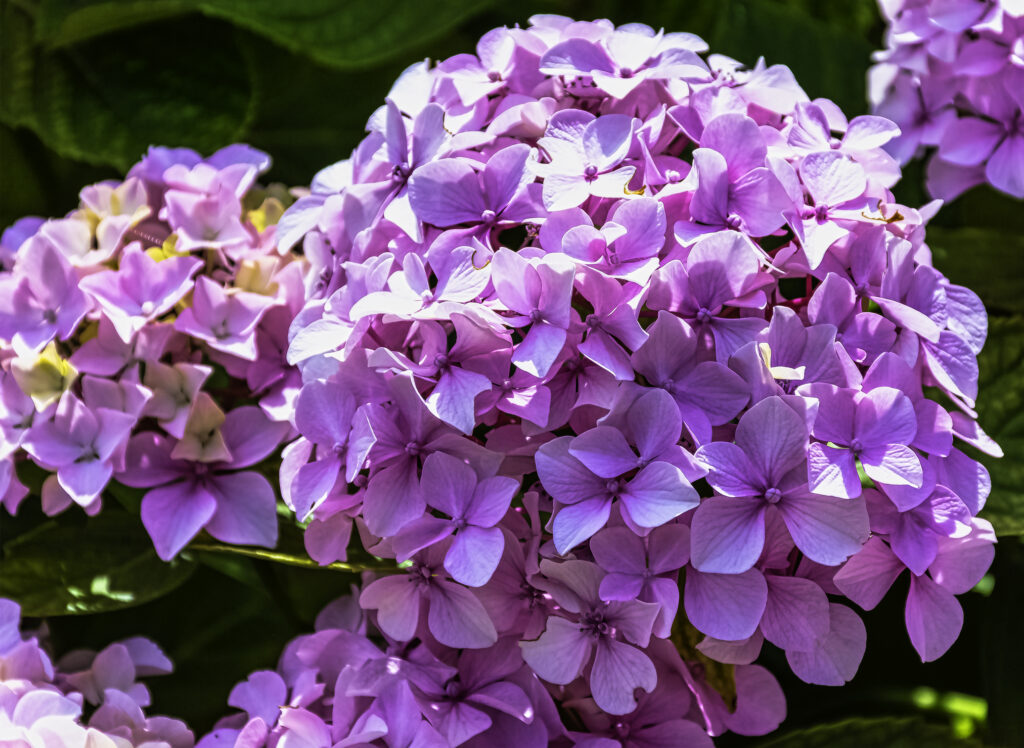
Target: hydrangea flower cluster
<point>630,359</point>
<point>344,686</point>
<point>145,343</point>
<point>44,705</point>
<point>952,78</point>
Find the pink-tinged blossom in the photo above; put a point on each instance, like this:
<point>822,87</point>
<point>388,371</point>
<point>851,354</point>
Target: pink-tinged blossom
<point>226,322</point>
<point>203,203</point>
<point>187,495</point>
<point>79,443</point>
<point>141,289</point>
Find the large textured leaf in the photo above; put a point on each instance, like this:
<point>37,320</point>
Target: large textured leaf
<point>1001,413</point>
<point>104,101</point>
<point>107,563</point>
<point>891,732</point>
<point>340,34</point>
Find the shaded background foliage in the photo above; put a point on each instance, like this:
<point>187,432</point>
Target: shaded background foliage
<point>87,85</point>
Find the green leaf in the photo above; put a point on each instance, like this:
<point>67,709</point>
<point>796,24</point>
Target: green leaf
<point>826,58</point>
<point>890,732</point>
<point>65,22</point>
<point>105,563</point>
<point>1001,414</point>
<point>104,101</point>
<point>338,34</point>
<point>346,35</point>
<point>1000,654</point>
<point>988,261</point>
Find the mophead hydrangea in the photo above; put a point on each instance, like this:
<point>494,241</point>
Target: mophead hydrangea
<point>627,355</point>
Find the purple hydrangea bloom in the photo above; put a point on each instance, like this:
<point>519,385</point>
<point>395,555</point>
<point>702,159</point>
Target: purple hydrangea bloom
<point>566,646</point>
<point>85,698</point>
<point>767,463</point>
<point>584,297</point>
<point>473,507</point>
<point>141,289</point>
<point>79,443</point>
<point>208,488</point>
<point>951,78</point>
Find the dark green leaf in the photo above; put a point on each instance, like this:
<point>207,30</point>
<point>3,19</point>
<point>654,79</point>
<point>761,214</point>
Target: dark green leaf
<point>1001,414</point>
<point>104,564</point>
<point>824,51</point>
<point>63,22</point>
<point>106,100</point>
<point>36,181</point>
<point>339,34</point>
<point>891,732</point>
<point>347,35</point>
<point>989,261</point>
<point>1001,655</point>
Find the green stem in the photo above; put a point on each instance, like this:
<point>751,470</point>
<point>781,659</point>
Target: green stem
<point>285,558</point>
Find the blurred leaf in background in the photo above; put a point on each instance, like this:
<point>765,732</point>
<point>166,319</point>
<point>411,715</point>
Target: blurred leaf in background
<point>106,563</point>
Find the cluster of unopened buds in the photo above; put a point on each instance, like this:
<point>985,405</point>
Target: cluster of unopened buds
<point>625,355</point>
<point>952,78</point>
